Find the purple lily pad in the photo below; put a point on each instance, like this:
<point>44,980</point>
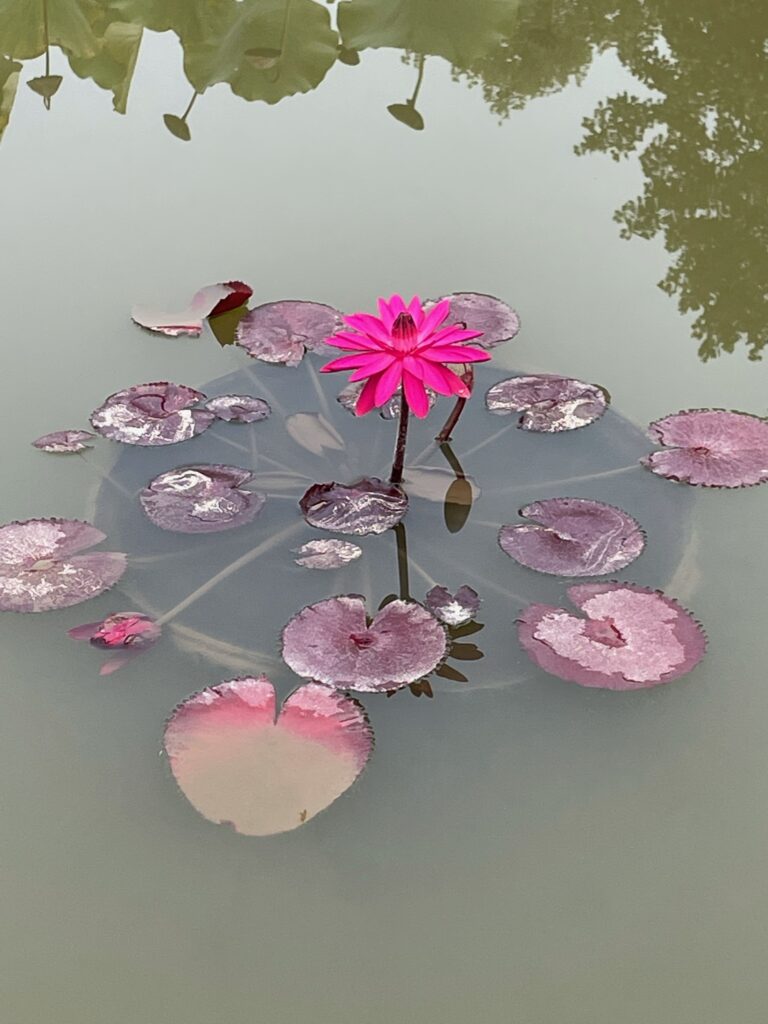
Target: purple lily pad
<point>548,403</point>
<point>64,441</point>
<point>238,408</point>
<point>630,638</point>
<point>453,609</point>
<point>347,399</point>
<point>367,506</point>
<point>711,448</point>
<point>497,321</point>
<point>40,569</point>
<point>201,499</point>
<point>130,633</point>
<point>152,414</point>
<point>281,332</point>
<point>212,300</point>
<point>241,763</point>
<point>333,643</point>
<point>573,537</point>
<point>327,554</point>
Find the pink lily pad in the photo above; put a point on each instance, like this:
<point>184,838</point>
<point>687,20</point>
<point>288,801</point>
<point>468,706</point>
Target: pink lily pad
<point>130,633</point>
<point>241,763</point>
<point>281,332</point>
<point>497,320</point>
<point>210,301</point>
<point>548,403</point>
<point>333,642</point>
<point>40,569</point>
<point>367,506</point>
<point>453,609</point>
<point>711,448</point>
<point>347,399</point>
<point>64,441</point>
<point>630,637</point>
<point>573,537</point>
<point>201,499</point>
<point>238,408</point>
<point>152,414</point>
<point>327,554</point>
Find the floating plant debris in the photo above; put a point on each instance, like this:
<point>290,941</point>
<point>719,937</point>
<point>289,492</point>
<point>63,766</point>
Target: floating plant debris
<point>367,506</point>
<point>152,414</point>
<point>630,638</point>
<point>334,643</point>
<point>210,301</point>
<point>573,537</point>
<point>711,448</point>
<point>494,319</point>
<point>453,609</point>
<point>64,441</point>
<point>40,569</point>
<point>281,332</point>
<point>201,499</point>
<point>238,408</point>
<point>130,633</point>
<point>347,399</point>
<point>327,554</point>
<point>548,403</point>
<point>242,764</point>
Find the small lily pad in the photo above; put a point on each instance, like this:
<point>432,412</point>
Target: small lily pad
<point>547,402</point>
<point>64,442</point>
<point>238,408</point>
<point>201,499</point>
<point>152,414</point>
<point>327,554</point>
<point>453,609</point>
<point>367,506</point>
<point>128,633</point>
<point>281,332</point>
<point>497,321</point>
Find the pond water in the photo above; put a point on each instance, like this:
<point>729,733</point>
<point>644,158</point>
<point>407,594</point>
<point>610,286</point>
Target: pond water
<point>519,848</point>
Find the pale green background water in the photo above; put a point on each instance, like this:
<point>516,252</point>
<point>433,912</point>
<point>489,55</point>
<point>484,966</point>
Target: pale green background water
<point>545,855</point>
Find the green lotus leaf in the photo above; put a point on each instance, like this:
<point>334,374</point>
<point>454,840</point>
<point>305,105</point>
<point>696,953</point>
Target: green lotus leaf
<point>9,80</point>
<point>113,65</point>
<point>22,27</point>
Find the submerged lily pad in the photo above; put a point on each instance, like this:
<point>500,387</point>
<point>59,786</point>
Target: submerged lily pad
<point>497,321</point>
<point>64,441</point>
<point>40,569</point>
<point>453,609</point>
<point>333,642</point>
<point>548,403</point>
<point>238,408</point>
<point>327,554</point>
<point>573,537</point>
<point>711,448</point>
<point>367,506</point>
<point>241,763</point>
<point>201,499</point>
<point>630,638</point>
<point>281,332</point>
<point>210,301</point>
<point>152,414</point>
<point>129,633</point>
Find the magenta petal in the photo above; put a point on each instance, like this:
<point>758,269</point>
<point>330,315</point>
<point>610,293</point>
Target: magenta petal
<point>573,537</point>
<point>366,506</point>
<point>497,321</point>
<point>368,325</point>
<point>64,441</point>
<point>354,362</point>
<point>201,499</point>
<point>454,354</point>
<point>333,643</point>
<point>388,382</point>
<point>374,365</point>
<point>453,335</point>
<point>242,764</point>
<point>631,637</point>
<point>711,448</point>
<point>433,318</point>
<point>415,395</point>
<point>548,403</point>
<point>281,332</point>
<point>437,377</point>
<point>84,632</point>
<point>367,400</point>
<point>353,342</point>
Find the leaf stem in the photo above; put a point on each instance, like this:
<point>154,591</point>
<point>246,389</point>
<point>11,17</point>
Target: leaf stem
<point>468,376</point>
<point>396,476</point>
<point>402,563</point>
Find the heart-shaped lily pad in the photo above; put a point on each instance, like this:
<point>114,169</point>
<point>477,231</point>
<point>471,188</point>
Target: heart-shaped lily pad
<point>281,332</point>
<point>238,408</point>
<point>201,499</point>
<point>497,321</point>
<point>152,414</point>
<point>367,506</point>
<point>547,402</point>
<point>64,441</point>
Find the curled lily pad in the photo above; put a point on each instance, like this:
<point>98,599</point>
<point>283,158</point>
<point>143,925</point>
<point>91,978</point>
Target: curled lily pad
<point>497,321</point>
<point>629,638</point>
<point>40,569</point>
<point>548,403</point>
<point>281,332</point>
<point>573,537</point>
<point>453,609</point>
<point>128,633</point>
<point>201,499</point>
<point>367,506</point>
<point>64,441</point>
<point>347,399</point>
<point>334,643</point>
<point>327,554</point>
<point>238,408</point>
<point>711,448</point>
<point>210,301</point>
<point>152,414</point>
<point>241,763</point>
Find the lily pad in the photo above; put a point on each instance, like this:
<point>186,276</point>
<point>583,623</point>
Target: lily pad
<point>453,609</point>
<point>64,441</point>
<point>201,499</point>
<point>630,637</point>
<point>548,403</point>
<point>327,554</point>
<point>573,537</point>
<point>281,332</point>
<point>497,321</point>
<point>152,414</point>
<point>238,408</point>
<point>367,506</point>
<point>241,763</point>
<point>210,301</point>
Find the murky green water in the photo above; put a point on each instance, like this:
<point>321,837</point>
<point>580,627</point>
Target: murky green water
<point>519,849</point>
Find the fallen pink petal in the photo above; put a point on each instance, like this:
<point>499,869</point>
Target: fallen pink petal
<point>65,442</point>
<point>243,762</point>
<point>282,332</point>
<point>367,506</point>
<point>131,633</point>
<point>213,300</point>
<point>327,554</point>
<point>333,642</point>
<point>152,414</point>
<point>573,537</point>
<point>710,448</point>
<point>238,408</point>
<point>493,318</point>
<point>201,499</point>
<point>453,609</point>
<point>630,637</point>
<point>547,402</point>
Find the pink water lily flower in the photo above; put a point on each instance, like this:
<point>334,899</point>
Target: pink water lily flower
<point>408,346</point>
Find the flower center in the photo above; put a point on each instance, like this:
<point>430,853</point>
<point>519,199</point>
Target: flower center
<point>404,330</point>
